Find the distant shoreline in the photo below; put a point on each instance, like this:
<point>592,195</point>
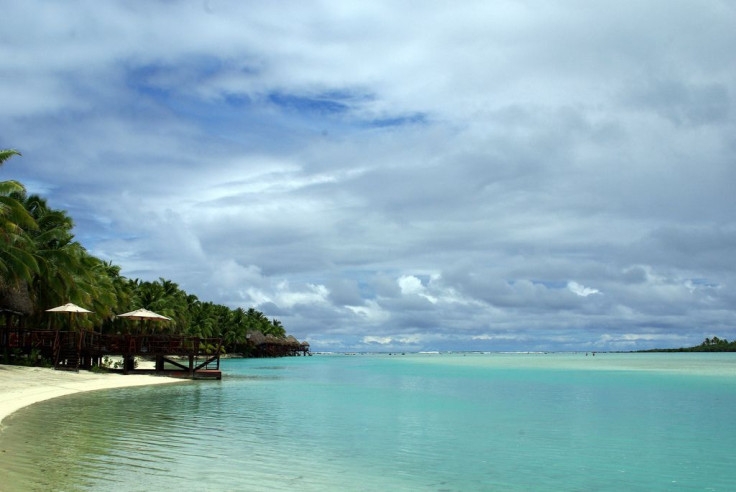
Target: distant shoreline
<point>22,386</point>
<point>714,344</point>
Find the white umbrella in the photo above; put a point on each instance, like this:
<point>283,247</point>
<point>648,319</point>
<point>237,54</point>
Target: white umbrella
<point>143,314</point>
<point>68,308</point>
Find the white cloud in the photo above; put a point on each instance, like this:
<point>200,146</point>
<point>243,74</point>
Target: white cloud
<point>489,337</point>
<point>581,290</point>
<point>379,340</point>
<point>309,294</point>
<point>371,312</point>
<point>271,156</point>
<point>410,284</point>
<point>396,341</point>
<point>410,339</point>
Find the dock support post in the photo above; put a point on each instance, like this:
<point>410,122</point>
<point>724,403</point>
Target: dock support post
<point>128,364</point>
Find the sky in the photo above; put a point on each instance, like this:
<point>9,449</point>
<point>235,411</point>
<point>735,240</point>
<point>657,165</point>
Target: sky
<point>396,175</point>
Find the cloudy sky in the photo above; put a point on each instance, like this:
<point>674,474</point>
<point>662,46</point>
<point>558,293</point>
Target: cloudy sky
<point>396,175</point>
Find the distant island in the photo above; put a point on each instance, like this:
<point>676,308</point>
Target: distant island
<point>714,344</point>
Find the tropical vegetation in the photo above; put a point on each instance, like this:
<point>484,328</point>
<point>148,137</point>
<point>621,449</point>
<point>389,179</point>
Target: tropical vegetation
<point>42,264</point>
<point>714,344</point>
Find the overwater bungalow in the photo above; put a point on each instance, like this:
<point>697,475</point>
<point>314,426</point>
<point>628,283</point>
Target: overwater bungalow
<point>260,345</point>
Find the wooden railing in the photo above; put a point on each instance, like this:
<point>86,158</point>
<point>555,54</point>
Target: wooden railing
<point>149,344</point>
<point>50,342</point>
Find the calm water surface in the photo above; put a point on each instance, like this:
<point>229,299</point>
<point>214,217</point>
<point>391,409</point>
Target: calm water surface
<point>377,422</point>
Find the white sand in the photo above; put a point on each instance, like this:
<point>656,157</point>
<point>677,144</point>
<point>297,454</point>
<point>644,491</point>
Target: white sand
<point>23,386</point>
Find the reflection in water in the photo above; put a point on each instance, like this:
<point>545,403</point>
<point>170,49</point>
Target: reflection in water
<point>93,436</point>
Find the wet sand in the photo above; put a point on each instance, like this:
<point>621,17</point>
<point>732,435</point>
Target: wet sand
<point>23,386</point>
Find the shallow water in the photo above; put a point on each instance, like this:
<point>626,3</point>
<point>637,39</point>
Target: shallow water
<point>378,422</point>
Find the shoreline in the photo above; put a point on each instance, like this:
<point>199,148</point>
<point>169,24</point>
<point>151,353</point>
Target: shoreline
<point>22,386</point>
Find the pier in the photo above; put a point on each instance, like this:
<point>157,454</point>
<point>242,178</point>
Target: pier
<point>173,355</point>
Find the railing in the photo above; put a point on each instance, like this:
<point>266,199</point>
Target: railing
<point>70,345</point>
<point>67,349</point>
<point>150,344</point>
<point>210,349</point>
<point>42,340</point>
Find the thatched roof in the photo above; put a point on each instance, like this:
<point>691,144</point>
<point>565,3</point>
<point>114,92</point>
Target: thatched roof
<point>15,299</point>
<point>256,338</point>
<point>274,340</point>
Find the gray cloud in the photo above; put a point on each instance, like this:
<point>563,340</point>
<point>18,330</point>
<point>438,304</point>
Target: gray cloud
<point>378,176</point>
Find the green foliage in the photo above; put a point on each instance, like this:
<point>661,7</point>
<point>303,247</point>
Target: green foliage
<point>17,264</point>
<point>32,359</point>
<point>6,154</point>
<point>714,344</point>
<point>38,252</point>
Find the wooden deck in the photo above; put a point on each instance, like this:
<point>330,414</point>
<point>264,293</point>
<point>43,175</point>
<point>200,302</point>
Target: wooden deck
<point>173,355</point>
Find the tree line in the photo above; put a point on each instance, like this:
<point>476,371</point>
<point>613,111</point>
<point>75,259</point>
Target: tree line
<point>42,266</point>
<point>714,344</point>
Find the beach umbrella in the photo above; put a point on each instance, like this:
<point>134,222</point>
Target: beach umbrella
<point>143,315</point>
<point>70,308</point>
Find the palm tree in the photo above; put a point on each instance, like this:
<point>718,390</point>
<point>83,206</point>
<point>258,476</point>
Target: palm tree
<point>277,329</point>
<point>235,331</point>
<point>17,264</point>
<point>66,271</point>
<point>97,286</point>
<point>6,154</point>
<point>203,320</point>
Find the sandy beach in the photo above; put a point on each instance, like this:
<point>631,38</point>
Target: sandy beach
<point>23,386</point>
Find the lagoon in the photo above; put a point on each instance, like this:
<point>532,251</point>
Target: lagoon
<point>374,422</point>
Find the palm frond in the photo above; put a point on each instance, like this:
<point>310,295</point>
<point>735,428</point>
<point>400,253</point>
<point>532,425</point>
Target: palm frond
<point>6,154</point>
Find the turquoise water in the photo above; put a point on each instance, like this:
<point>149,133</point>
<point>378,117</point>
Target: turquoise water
<point>377,422</point>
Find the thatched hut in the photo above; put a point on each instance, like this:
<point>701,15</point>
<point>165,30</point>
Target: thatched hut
<point>292,345</point>
<point>255,337</point>
<point>274,346</point>
<point>254,343</point>
<point>260,345</point>
<point>15,299</point>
